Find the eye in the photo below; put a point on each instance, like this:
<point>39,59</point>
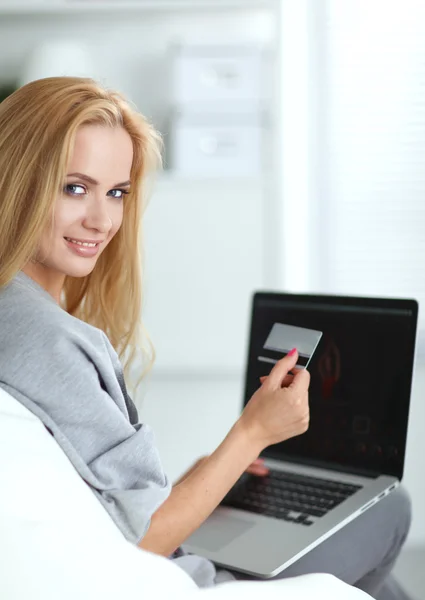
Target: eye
<point>117,193</point>
<point>74,189</point>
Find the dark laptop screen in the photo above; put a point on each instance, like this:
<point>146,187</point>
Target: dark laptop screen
<point>361,376</point>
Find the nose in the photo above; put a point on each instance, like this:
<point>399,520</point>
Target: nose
<point>97,216</point>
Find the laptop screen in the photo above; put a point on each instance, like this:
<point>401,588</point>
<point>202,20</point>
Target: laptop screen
<point>361,374</point>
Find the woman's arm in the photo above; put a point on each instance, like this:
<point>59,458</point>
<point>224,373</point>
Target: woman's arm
<point>256,468</point>
<point>190,470</point>
<point>192,500</point>
<point>272,415</point>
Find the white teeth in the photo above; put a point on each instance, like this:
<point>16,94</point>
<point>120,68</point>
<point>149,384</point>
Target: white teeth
<point>86,244</point>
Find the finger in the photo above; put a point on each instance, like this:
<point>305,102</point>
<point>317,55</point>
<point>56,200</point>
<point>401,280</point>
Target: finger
<point>285,383</point>
<point>291,372</point>
<point>257,467</point>
<point>301,381</point>
<point>281,369</point>
<point>296,370</point>
<point>288,380</point>
<point>259,470</point>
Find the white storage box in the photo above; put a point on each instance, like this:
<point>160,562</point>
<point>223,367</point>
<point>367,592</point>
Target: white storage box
<point>217,74</point>
<point>225,147</point>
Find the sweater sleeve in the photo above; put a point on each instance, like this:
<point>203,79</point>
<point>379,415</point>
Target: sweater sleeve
<point>69,382</point>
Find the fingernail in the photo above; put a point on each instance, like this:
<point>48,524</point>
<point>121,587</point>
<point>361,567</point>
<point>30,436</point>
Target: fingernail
<point>292,352</point>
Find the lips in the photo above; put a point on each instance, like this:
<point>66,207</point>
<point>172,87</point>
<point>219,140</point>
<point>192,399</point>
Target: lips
<point>84,251</point>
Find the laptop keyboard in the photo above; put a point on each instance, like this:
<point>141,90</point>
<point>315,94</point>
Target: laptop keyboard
<point>288,496</point>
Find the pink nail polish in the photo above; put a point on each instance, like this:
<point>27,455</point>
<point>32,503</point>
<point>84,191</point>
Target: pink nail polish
<point>292,352</point>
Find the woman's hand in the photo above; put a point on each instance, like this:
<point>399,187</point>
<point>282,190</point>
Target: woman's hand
<point>279,408</point>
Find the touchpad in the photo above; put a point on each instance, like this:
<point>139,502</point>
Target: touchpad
<point>218,531</point>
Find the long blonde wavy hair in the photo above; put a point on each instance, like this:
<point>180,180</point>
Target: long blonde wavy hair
<point>38,123</point>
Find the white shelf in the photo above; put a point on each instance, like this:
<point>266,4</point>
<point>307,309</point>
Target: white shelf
<point>99,6</point>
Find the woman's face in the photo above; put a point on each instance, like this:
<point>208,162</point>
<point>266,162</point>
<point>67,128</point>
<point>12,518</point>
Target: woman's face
<point>89,209</point>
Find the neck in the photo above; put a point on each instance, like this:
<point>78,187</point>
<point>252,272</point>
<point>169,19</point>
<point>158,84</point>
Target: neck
<point>49,279</point>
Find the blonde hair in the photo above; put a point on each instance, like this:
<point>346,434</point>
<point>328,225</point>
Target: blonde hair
<point>38,123</point>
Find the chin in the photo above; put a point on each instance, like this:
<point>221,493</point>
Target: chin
<point>79,270</point>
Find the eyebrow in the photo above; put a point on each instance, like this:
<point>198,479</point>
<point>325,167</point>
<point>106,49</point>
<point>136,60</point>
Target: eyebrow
<point>94,182</point>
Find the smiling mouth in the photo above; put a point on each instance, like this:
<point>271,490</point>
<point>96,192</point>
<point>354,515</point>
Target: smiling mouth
<point>83,244</point>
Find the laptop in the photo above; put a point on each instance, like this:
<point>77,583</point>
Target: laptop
<point>353,453</point>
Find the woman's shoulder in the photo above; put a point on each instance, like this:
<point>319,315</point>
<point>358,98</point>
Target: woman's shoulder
<point>30,316</point>
<point>23,306</point>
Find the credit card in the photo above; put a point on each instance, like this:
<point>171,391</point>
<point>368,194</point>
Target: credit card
<point>282,338</point>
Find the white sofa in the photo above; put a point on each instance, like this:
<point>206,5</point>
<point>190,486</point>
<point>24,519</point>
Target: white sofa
<point>57,542</point>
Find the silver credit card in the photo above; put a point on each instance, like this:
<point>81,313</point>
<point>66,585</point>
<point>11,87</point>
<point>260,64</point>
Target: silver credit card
<point>282,338</point>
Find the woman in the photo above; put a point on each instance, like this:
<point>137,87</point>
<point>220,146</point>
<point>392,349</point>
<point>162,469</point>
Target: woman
<point>73,165</point>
